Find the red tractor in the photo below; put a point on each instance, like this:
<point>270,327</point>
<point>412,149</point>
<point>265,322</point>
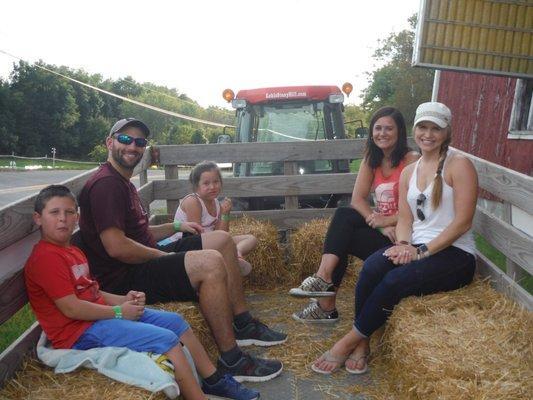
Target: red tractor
<point>282,114</point>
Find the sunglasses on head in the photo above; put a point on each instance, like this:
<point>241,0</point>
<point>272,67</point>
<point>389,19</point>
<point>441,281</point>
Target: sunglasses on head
<point>419,204</point>
<point>127,139</point>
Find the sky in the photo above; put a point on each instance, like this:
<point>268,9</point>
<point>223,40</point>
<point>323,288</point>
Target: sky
<point>201,47</point>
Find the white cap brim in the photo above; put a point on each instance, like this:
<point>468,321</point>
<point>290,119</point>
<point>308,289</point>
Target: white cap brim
<point>440,122</point>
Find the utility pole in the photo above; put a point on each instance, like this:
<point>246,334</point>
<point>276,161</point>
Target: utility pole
<point>53,157</point>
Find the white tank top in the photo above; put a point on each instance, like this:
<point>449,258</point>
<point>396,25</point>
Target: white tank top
<point>208,222</point>
<point>436,220</point>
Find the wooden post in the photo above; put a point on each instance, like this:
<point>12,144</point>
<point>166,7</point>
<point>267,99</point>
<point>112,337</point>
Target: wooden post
<point>512,269</point>
<point>143,177</point>
<point>171,172</point>
<point>290,168</point>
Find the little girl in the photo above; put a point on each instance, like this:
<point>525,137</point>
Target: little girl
<point>203,207</point>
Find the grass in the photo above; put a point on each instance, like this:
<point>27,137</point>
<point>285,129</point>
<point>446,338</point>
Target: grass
<point>45,163</point>
<point>499,260</point>
<point>355,164</point>
<point>15,326</point>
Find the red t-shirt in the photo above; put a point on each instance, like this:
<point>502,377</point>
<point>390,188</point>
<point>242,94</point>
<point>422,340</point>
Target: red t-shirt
<point>109,200</point>
<point>53,272</point>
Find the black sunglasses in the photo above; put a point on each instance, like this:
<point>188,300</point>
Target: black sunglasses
<point>419,204</point>
<point>127,139</point>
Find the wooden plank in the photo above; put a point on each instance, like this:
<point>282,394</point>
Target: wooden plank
<point>512,269</point>
<point>11,358</point>
<point>282,219</point>
<point>508,185</point>
<point>512,242</point>
<point>502,283</point>
<point>171,172</point>
<point>16,219</point>
<point>146,194</point>
<point>13,295</point>
<point>145,163</point>
<point>256,152</point>
<point>290,168</point>
<point>264,186</point>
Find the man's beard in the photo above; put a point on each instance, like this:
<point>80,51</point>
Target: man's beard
<point>116,154</point>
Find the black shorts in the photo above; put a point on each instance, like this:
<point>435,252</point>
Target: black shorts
<point>164,279</point>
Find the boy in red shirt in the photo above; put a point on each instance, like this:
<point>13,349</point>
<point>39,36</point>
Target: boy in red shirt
<point>75,314</point>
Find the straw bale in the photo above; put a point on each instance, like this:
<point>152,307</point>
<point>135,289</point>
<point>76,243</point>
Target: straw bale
<point>269,268</point>
<point>306,245</point>
<point>472,343</point>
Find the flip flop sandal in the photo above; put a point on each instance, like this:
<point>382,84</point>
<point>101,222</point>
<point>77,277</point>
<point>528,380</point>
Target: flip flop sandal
<point>356,360</point>
<point>328,357</point>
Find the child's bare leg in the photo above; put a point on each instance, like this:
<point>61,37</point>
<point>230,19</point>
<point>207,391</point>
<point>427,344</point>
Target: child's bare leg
<point>183,374</point>
<point>203,364</point>
<point>245,244</point>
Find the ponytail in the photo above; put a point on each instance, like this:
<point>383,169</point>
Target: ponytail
<point>436,194</point>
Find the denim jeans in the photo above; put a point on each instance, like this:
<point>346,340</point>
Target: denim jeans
<point>382,284</point>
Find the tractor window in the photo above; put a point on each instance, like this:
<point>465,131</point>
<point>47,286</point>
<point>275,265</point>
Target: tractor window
<point>290,123</point>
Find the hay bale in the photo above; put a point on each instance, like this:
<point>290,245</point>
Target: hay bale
<point>472,343</point>
<point>268,262</point>
<point>306,245</point>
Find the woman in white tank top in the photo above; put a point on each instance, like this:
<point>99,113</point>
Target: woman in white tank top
<point>434,250</point>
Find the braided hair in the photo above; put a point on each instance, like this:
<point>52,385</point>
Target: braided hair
<point>436,194</point>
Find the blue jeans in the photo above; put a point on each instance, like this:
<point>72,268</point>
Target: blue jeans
<point>381,284</point>
<point>156,331</point>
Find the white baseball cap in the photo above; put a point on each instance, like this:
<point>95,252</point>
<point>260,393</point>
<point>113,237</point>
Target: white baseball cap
<point>434,112</point>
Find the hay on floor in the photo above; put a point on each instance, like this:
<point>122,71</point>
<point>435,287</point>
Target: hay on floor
<point>268,262</point>
<point>468,344</point>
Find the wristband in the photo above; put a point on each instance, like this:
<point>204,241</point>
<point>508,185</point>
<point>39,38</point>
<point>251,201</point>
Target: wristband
<point>403,242</point>
<point>225,217</point>
<point>118,312</point>
<point>177,226</point>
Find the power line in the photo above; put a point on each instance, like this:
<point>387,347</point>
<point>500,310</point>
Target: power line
<point>148,106</point>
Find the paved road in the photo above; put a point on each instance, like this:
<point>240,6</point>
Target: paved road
<point>17,185</point>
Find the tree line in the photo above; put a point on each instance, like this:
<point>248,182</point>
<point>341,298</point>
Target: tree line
<point>39,110</point>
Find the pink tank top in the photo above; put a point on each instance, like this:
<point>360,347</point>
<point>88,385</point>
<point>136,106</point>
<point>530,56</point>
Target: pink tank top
<point>386,189</point>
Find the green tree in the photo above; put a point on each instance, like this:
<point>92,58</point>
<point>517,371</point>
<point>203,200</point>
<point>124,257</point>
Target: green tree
<point>45,110</point>
<point>8,138</point>
<point>397,83</point>
<point>353,114</point>
<point>198,137</point>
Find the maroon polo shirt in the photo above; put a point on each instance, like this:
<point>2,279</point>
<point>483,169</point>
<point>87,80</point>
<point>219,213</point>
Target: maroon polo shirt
<point>109,200</point>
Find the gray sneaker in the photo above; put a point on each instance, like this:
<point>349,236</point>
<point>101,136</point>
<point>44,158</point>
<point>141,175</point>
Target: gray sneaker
<point>313,314</point>
<point>314,286</point>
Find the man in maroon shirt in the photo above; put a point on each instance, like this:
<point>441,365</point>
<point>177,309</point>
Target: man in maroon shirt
<point>123,255</point>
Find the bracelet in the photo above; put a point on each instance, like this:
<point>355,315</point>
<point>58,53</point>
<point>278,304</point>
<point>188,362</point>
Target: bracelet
<point>177,226</point>
<point>403,242</point>
<point>225,217</point>
<point>118,312</point>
